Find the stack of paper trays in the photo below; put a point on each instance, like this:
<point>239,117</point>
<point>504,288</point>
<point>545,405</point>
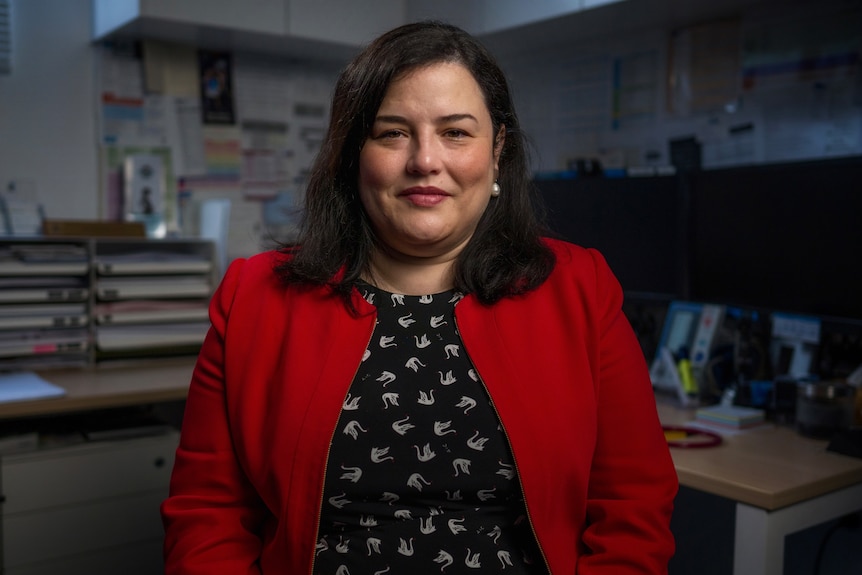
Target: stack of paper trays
<point>730,416</point>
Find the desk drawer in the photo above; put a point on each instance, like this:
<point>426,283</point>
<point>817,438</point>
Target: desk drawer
<point>144,558</point>
<point>85,473</point>
<point>67,533</point>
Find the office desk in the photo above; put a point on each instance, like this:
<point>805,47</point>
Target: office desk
<point>781,482</point>
<point>107,386</point>
<point>91,506</point>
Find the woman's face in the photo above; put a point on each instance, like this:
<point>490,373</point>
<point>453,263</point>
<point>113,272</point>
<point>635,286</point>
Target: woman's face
<point>428,165</point>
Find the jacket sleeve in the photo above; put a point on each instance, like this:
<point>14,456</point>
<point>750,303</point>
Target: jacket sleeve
<point>213,514</point>
<point>633,481</point>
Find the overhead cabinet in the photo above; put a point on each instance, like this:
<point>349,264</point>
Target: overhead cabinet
<point>297,28</point>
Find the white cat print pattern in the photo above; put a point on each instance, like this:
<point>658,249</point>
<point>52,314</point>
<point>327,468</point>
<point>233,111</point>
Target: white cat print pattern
<point>420,476</point>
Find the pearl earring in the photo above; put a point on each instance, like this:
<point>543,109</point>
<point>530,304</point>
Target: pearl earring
<point>495,190</point>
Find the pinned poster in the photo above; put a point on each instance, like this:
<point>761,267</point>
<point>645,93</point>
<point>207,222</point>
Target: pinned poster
<point>217,105</point>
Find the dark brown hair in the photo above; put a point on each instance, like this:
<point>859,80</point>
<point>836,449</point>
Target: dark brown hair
<point>505,256</point>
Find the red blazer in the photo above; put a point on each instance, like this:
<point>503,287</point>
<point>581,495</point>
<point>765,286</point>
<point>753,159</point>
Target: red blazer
<point>561,363</point>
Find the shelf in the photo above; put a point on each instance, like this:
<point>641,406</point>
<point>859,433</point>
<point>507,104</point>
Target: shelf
<point>149,311</point>
<point>37,316</point>
<point>149,287</point>
<point>43,294</point>
<point>43,269</point>
<point>94,299</point>
<point>151,262</point>
<point>141,337</point>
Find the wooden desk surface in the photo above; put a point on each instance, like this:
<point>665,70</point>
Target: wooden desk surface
<point>769,467</point>
<point>107,386</point>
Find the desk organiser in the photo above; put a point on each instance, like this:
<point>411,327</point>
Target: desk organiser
<point>79,301</point>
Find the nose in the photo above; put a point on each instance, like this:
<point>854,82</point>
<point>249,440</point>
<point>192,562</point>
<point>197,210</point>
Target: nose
<point>424,157</point>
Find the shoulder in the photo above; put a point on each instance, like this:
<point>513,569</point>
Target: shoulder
<point>257,268</point>
<point>581,277</point>
<point>250,277</point>
<point>564,248</point>
<point>264,261</point>
<point>576,261</point>
<point>257,281</point>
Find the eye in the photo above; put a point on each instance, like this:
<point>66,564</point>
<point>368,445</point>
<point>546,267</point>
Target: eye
<point>456,133</point>
<point>389,135</point>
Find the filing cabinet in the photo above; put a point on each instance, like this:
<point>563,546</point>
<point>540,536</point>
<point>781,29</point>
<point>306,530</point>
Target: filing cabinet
<point>90,508</point>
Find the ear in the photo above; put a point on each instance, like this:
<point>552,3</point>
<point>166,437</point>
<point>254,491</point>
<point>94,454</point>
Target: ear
<point>499,140</point>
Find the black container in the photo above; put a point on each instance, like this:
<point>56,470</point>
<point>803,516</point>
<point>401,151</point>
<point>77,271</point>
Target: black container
<point>824,408</point>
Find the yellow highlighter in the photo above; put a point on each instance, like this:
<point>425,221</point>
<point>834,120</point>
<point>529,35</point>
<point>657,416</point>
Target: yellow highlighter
<point>683,365</point>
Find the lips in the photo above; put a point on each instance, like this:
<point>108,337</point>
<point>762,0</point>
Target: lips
<point>424,195</point>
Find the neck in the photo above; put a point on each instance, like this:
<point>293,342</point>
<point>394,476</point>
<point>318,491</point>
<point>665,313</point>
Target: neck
<point>414,277</point>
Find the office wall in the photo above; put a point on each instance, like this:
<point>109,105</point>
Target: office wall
<point>754,82</point>
<point>47,107</point>
<point>566,93</point>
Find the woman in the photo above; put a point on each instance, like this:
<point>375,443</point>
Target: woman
<point>424,382</point>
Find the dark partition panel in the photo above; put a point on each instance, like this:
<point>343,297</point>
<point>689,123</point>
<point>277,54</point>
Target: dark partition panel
<point>637,224</point>
<point>781,236</point>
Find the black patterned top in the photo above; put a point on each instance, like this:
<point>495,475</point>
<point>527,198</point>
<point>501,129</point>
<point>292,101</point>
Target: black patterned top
<point>420,476</point>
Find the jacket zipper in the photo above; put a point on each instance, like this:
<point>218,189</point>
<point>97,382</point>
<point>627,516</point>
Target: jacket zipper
<point>326,461</point>
<point>514,457</point>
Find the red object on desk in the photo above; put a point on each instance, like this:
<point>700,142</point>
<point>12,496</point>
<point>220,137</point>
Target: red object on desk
<point>681,436</point>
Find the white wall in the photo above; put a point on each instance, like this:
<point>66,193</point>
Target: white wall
<point>47,107</point>
<point>564,92</point>
<point>49,104</point>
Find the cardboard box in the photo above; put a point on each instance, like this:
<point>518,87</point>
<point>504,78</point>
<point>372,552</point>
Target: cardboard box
<point>93,228</point>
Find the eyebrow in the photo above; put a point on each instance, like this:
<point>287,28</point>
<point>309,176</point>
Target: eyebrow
<point>444,119</point>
